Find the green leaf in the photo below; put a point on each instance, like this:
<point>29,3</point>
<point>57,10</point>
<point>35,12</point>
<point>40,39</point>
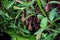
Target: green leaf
<point>40,7</point>
<point>44,23</point>
<point>5,14</point>
<point>40,16</point>
<point>10,4</point>
<point>8,16</point>
<point>12,26</point>
<point>43,3</point>
<point>44,36</point>
<point>52,14</point>
<point>25,31</point>
<point>18,8</point>
<point>14,36</point>
<point>43,26</point>
<point>58,18</point>
<point>1,13</point>
<point>38,34</point>
<point>39,31</point>
<point>53,2</point>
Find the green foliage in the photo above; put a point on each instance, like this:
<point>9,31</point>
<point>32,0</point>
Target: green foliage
<point>10,4</point>
<point>43,3</point>
<point>5,15</point>
<point>52,14</point>
<point>11,19</point>
<point>44,23</point>
<point>43,27</point>
<point>19,37</point>
<point>54,2</point>
<point>40,16</point>
<point>40,7</point>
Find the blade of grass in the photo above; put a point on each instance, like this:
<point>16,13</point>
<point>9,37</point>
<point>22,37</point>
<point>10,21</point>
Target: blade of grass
<point>51,2</point>
<point>10,4</point>
<point>40,7</point>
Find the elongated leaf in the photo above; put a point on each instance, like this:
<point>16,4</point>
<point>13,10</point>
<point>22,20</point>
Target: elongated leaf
<point>10,5</point>
<point>40,7</point>
<point>38,34</point>
<point>43,23</point>
<point>5,14</point>
<point>43,3</point>
<point>40,16</point>
<point>25,31</point>
<point>52,14</point>
<point>18,37</point>
<point>18,8</point>
<point>53,2</point>
<point>1,13</point>
<point>43,26</point>
<point>39,31</point>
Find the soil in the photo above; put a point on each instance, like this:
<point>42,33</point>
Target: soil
<point>4,36</point>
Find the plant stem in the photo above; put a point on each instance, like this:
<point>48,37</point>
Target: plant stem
<point>40,7</point>
<point>56,19</point>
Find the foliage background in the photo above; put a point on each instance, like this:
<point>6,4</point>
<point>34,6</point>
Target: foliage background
<point>30,19</point>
